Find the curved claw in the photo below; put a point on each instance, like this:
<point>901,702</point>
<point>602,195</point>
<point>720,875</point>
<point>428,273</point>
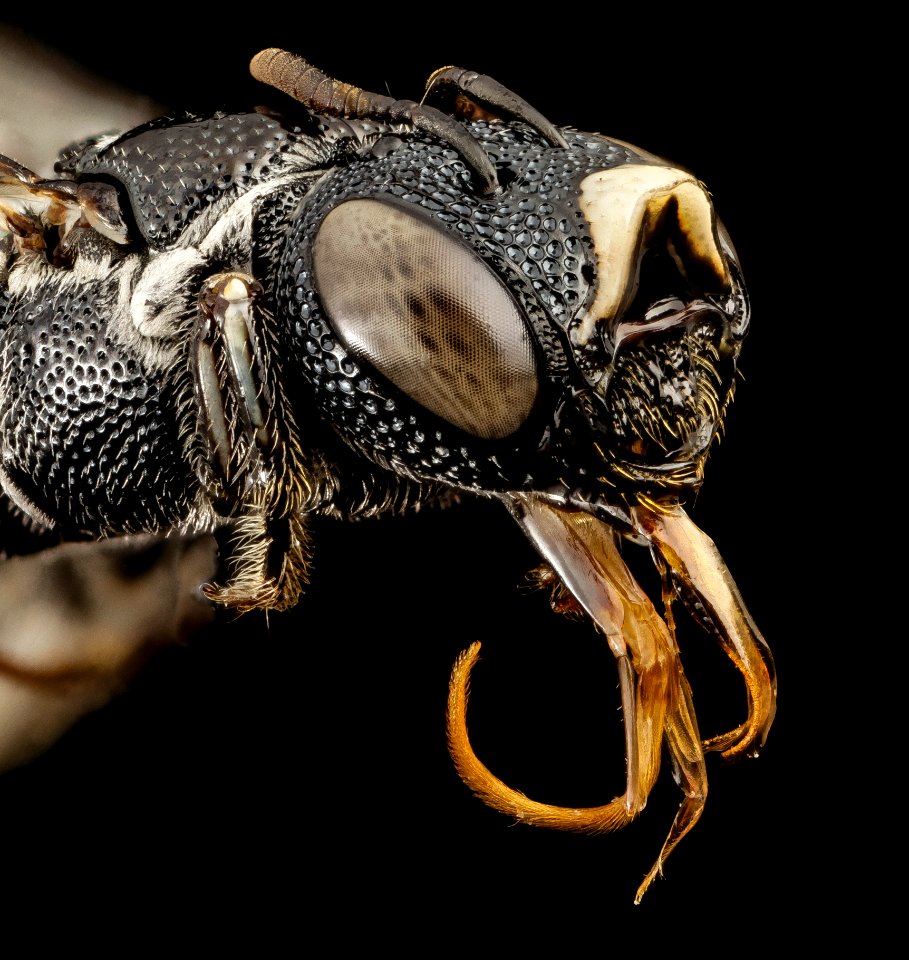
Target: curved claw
<point>493,792</point>
<point>656,698</point>
<point>698,567</point>
<point>470,95</point>
<point>298,78</point>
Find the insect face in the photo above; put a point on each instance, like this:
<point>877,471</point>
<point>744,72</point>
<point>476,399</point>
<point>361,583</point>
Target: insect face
<point>234,322</point>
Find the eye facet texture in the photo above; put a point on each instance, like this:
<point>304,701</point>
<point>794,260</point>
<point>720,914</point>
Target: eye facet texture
<point>428,314</point>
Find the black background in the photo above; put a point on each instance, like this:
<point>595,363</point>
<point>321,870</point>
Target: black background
<point>287,769</point>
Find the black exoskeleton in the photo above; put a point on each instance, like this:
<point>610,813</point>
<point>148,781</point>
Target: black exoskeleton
<point>357,304</point>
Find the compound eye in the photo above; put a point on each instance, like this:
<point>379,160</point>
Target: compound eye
<point>428,314</point>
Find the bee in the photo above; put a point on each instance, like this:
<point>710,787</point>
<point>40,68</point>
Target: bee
<point>221,327</point>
